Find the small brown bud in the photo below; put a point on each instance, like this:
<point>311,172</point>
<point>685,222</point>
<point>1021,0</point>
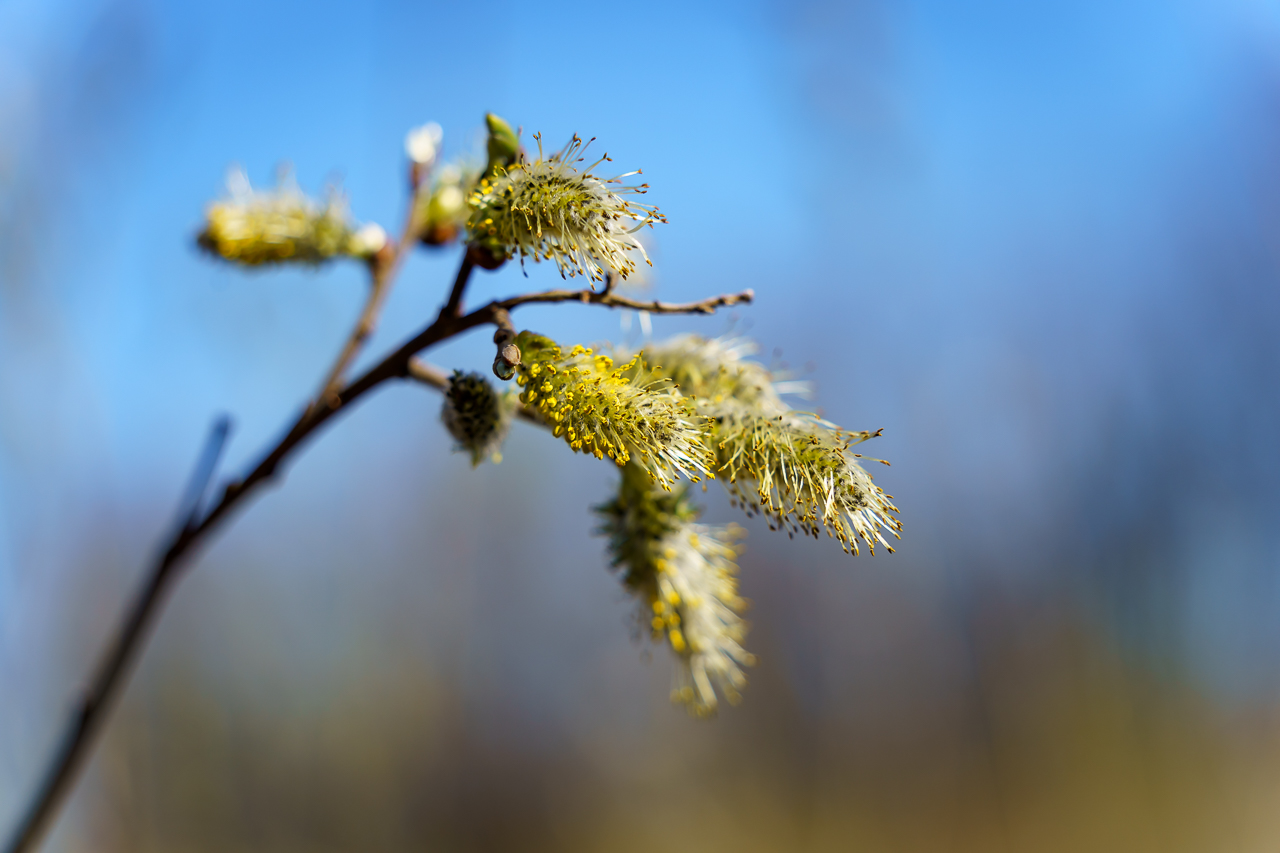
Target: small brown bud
<point>439,233</point>
<point>484,257</point>
<point>507,360</point>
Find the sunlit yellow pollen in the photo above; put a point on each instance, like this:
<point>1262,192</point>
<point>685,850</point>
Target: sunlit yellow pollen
<point>645,420</point>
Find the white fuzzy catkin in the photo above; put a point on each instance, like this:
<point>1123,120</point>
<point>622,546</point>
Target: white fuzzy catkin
<point>684,576</point>
<point>551,208</point>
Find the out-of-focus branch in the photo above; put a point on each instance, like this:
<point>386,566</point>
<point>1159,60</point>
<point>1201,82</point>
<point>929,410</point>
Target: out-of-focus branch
<point>206,467</point>
<point>454,306</point>
<point>428,374</point>
<point>91,713</point>
<point>383,268</point>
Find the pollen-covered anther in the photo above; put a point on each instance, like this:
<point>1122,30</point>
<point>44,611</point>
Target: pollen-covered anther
<point>622,412</point>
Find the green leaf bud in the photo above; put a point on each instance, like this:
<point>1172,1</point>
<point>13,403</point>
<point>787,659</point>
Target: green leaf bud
<point>504,145</point>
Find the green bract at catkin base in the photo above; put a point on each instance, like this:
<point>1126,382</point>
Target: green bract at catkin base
<point>477,416</point>
<point>685,578</point>
<point>625,413</point>
<point>793,467</point>
<point>551,209</point>
<point>255,227</point>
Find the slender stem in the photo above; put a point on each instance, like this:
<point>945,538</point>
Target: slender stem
<point>394,366</point>
<point>206,467</point>
<point>610,299</point>
<point>125,645</point>
<point>360,333</point>
<point>435,377</point>
<point>89,717</point>
<point>383,269</point>
<point>428,374</point>
<point>454,306</point>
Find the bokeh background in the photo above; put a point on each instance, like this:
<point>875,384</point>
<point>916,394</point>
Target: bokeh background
<point>1035,242</point>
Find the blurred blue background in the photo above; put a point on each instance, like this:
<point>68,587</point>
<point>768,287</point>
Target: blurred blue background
<point>1036,243</point>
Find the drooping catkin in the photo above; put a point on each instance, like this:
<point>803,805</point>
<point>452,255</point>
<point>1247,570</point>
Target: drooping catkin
<point>791,466</point>
<point>684,577</point>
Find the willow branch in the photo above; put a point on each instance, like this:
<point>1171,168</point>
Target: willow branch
<point>126,643</point>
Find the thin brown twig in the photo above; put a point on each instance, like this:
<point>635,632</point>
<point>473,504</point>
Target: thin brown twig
<point>126,643</point>
<point>383,268</point>
<point>613,300</point>
<point>360,333</point>
<point>454,306</point>
<point>428,374</point>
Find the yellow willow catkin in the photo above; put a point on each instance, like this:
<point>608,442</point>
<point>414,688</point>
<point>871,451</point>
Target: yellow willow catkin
<point>793,467</point>
<point>620,412</point>
<point>684,576</point>
<point>256,227</point>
